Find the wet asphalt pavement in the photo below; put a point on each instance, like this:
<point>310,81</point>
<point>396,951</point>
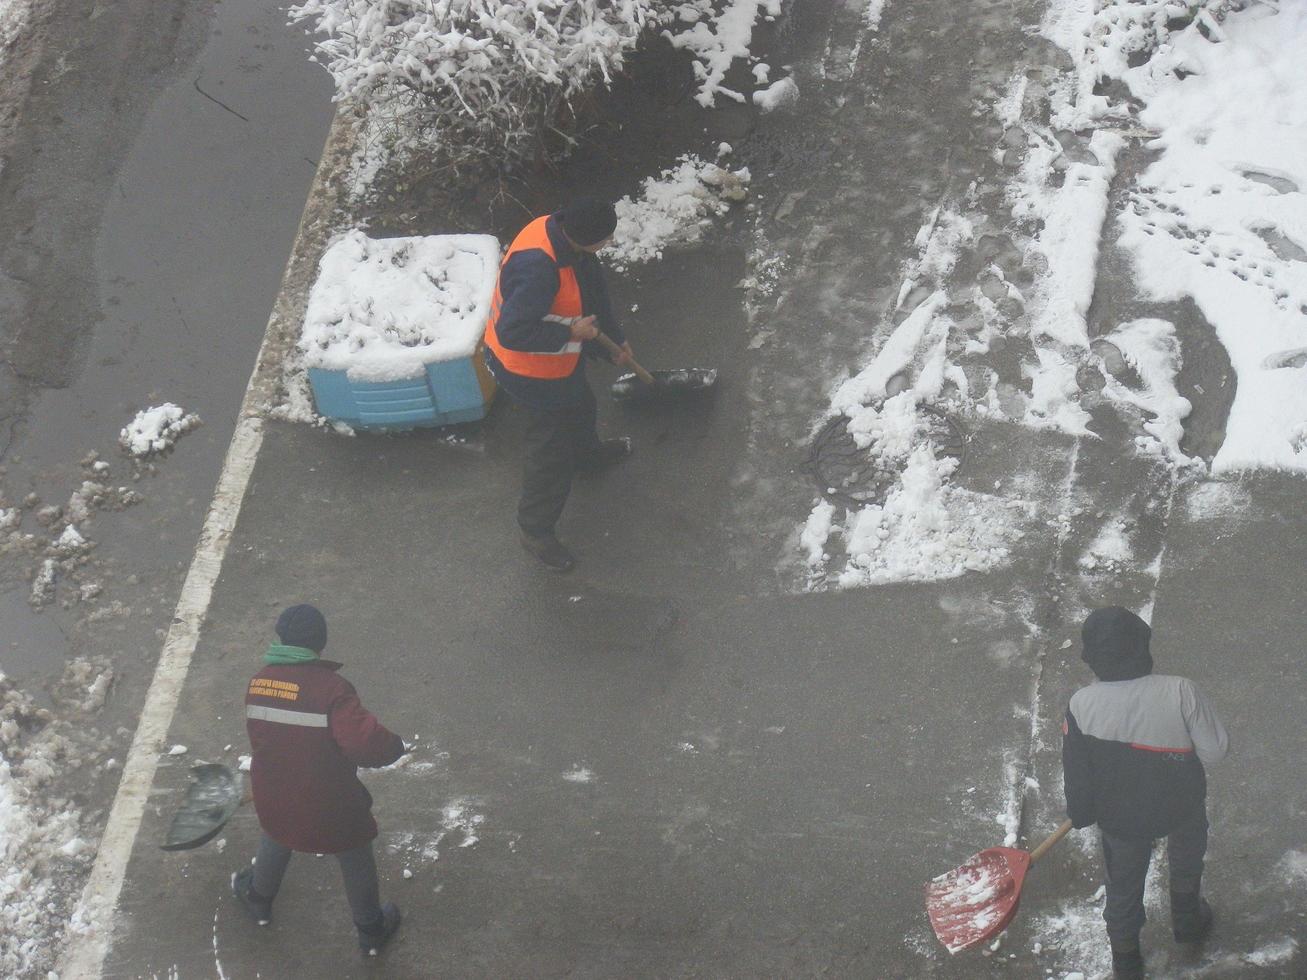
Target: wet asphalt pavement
<point>671,763</point>
<point>152,192</point>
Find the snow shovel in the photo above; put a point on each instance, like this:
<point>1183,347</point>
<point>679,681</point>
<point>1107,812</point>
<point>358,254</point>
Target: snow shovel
<point>977,900</point>
<point>214,795</point>
<point>641,384</point>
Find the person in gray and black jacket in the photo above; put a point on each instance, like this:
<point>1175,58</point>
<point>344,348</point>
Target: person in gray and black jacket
<point>1133,754</point>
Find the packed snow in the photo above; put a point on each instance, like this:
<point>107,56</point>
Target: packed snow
<point>383,309</point>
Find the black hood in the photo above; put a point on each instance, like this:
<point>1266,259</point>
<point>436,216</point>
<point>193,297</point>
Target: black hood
<point>1116,644</point>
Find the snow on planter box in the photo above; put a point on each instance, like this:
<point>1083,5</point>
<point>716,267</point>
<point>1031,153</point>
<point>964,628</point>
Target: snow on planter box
<point>392,334</point>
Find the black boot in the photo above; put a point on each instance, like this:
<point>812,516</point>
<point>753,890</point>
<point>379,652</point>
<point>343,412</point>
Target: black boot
<point>258,907</point>
<point>551,552</point>
<point>609,452</point>
<point>1191,917</point>
<point>1127,960</point>
<point>373,938</point>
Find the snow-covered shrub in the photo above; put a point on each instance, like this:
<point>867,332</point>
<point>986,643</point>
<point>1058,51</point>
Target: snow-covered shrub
<point>483,80</point>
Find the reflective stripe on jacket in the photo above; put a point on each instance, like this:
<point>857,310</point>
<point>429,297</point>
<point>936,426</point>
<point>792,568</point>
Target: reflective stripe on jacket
<point>543,364</point>
<point>308,736</point>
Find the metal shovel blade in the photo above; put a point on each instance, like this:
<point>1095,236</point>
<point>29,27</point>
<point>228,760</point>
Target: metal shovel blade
<point>213,796</point>
<point>678,382</point>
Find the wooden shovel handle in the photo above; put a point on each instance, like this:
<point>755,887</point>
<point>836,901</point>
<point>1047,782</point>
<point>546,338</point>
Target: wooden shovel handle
<point>1053,838</point>
<point>610,345</point>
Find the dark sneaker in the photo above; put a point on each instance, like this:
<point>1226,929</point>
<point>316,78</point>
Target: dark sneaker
<point>1191,918</point>
<point>372,940</point>
<point>551,552</point>
<point>1127,963</point>
<point>242,886</point>
<point>610,451</point>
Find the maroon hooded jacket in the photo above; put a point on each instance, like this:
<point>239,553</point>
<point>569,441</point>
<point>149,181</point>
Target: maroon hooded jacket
<point>309,735</point>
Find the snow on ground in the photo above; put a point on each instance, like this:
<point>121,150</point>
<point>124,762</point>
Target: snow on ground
<point>673,208</point>
<point>924,528</point>
<point>1072,937</point>
<point>154,430</point>
<point>44,851</point>
<point>14,15</point>
<point>1220,216</point>
<point>579,774</point>
<point>717,37</point>
<point>383,309</point>
<point>1149,347</point>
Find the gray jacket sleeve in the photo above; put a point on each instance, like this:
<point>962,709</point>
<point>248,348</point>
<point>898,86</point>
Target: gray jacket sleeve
<point>1208,734</point>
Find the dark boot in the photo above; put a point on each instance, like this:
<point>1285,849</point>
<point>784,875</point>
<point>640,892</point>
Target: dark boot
<point>1127,960</point>
<point>258,907</point>
<point>549,550</point>
<point>373,938</point>
<point>1191,917</point>
<point>610,451</point>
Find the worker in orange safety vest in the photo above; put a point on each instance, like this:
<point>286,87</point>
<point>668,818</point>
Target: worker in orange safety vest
<point>550,303</point>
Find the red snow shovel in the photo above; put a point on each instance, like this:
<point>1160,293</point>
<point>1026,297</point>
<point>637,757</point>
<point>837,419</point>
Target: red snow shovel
<point>977,900</point>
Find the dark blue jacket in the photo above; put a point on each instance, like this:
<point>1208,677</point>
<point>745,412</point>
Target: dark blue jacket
<point>527,283</point>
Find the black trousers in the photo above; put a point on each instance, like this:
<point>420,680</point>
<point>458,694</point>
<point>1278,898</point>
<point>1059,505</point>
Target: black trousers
<point>558,440</point>
<point>1126,862</point>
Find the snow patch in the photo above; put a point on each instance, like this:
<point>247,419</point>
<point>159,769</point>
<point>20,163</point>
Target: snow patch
<point>383,309</point>
<point>716,38</point>
<point>673,208</point>
<point>154,430</point>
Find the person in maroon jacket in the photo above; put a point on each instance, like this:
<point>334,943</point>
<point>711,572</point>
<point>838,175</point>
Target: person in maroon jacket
<point>309,735</point>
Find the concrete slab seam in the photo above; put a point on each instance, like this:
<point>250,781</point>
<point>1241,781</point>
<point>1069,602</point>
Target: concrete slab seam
<point>90,929</point>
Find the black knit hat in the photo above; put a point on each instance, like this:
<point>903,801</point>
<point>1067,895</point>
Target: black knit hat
<point>588,220</point>
<point>1116,644</point>
<point>303,626</point>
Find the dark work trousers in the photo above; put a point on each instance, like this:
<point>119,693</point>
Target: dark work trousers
<point>358,867</point>
<point>1126,862</point>
<point>557,441</point>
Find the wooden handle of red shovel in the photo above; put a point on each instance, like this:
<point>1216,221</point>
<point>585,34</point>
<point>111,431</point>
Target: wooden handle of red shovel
<point>1047,846</point>
<point>610,345</point>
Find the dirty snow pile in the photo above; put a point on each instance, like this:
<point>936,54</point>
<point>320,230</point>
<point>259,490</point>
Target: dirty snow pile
<point>44,854</point>
<point>383,309</point>
<point>154,430</point>
<point>673,208</point>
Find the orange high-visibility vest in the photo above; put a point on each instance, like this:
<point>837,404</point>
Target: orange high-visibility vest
<point>567,303</point>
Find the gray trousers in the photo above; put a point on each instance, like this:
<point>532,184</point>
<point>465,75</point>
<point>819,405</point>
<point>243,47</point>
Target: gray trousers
<point>1126,859</point>
<point>358,867</point>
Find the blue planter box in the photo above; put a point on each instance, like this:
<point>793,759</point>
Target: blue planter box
<point>460,390</point>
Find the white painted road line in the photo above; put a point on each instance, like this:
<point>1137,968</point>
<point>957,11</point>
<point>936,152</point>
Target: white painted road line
<point>91,927</point>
